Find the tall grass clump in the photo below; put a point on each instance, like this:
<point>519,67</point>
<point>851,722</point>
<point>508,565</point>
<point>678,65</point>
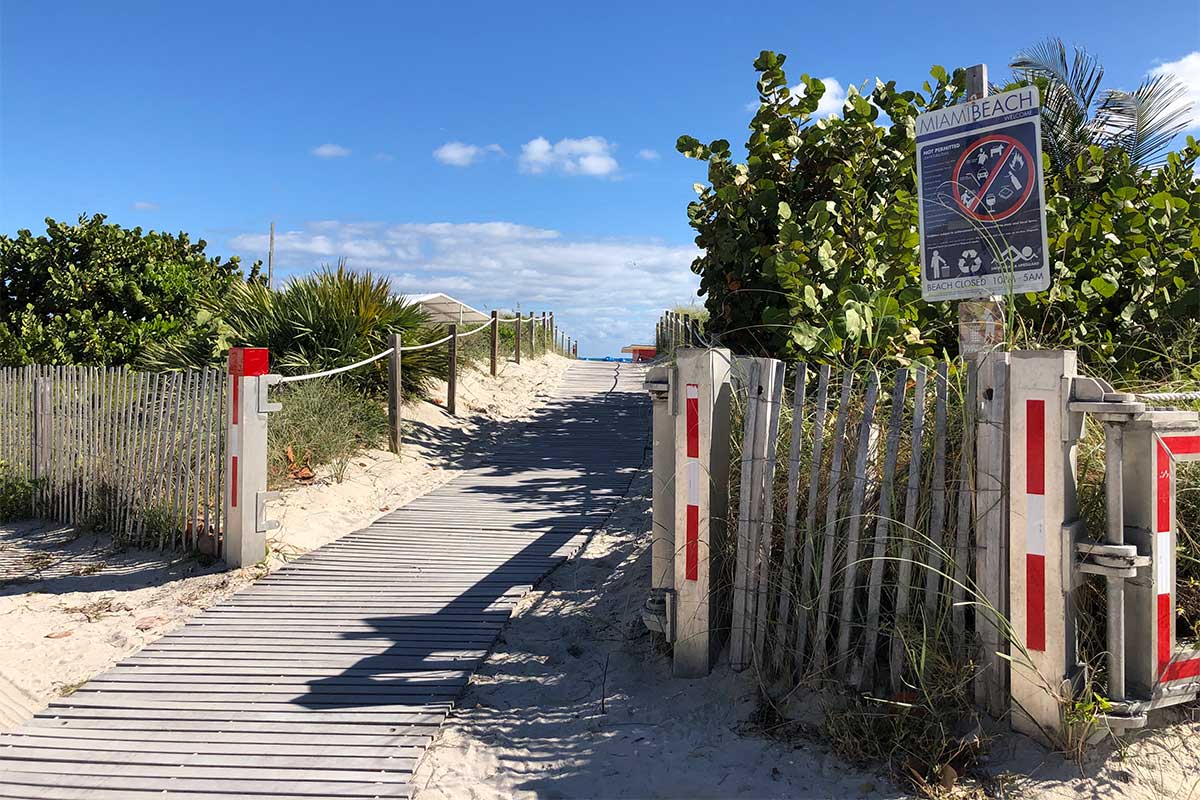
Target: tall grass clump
<point>323,421</point>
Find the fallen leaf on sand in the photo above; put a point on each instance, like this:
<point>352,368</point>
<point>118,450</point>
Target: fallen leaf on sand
<point>59,634</point>
<point>146,623</point>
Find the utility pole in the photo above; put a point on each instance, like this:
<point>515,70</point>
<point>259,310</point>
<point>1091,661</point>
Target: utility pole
<point>271,259</point>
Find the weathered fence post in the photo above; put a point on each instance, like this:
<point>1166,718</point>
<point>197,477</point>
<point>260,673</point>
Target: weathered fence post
<point>247,495</point>
<point>991,528</point>
<point>495,331</point>
<point>452,376</point>
<point>396,394</point>
<point>1043,512</point>
<point>701,500</point>
<point>517,346</point>
<point>42,427</point>
<point>575,349</point>
<point>553,332</point>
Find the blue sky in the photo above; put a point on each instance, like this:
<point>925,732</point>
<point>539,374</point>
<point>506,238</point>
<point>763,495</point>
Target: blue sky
<point>506,153</point>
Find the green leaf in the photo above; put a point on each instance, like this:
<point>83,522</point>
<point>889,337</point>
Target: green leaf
<point>1103,286</point>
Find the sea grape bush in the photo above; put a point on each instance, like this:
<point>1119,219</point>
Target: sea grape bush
<point>811,244</point>
<point>95,293</point>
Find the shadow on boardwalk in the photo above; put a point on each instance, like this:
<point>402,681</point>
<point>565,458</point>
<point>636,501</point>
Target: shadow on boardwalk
<point>482,540</point>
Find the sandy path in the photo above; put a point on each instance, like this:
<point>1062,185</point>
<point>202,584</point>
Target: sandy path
<point>71,606</point>
<point>576,701</point>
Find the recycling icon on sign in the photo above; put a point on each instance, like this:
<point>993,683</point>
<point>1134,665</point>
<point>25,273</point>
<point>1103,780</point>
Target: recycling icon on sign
<point>969,262</point>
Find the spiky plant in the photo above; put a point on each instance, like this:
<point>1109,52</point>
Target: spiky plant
<point>1078,114</point>
<point>315,322</point>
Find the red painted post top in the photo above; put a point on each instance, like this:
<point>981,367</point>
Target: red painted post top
<point>248,361</point>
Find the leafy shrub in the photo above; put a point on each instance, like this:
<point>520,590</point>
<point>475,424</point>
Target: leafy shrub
<point>811,245</point>
<point>317,322</point>
<point>323,421</point>
<point>99,294</point>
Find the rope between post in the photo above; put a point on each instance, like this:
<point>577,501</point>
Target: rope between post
<point>1169,396</point>
<point>477,330</point>
<point>336,370</point>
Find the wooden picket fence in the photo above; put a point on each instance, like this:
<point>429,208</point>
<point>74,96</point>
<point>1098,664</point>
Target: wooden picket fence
<point>137,454</point>
<point>868,528</point>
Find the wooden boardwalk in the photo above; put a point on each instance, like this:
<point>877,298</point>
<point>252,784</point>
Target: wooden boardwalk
<point>329,677</point>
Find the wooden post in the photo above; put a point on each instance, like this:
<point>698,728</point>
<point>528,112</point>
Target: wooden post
<point>452,377</point>
<point>42,426</point>
<point>517,350</point>
<point>396,395</point>
<point>495,341</point>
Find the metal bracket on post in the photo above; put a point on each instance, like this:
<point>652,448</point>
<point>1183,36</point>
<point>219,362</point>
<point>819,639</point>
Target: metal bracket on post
<point>261,523</point>
<point>265,382</point>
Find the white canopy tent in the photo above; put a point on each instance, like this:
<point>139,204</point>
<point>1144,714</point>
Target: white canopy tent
<point>444,309</point>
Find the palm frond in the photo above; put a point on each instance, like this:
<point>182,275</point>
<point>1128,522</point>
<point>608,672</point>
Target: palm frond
<point>1145,121</point>
<point>1048,59</point>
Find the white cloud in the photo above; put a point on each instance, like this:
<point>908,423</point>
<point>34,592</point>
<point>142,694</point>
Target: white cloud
<point>384,157</point>
<point>1187,71</point>
<point>648,154</point>
<point>608,292</point>
<point>591,155</point>
<point>331,151</point>
<point>144,205</point>
<point>460,154</point>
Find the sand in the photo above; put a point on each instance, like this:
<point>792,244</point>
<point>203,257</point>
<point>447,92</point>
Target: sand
<point>71,606</point>
<point>577,701</point>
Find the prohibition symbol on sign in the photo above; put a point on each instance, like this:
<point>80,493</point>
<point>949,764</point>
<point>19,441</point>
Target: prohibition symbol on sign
<point>993,178</point>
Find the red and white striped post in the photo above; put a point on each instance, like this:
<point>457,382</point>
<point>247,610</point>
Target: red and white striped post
<point>702,465</point>
<point>1155,668</point>
<point>246,492</point>
<point>1043,514</point>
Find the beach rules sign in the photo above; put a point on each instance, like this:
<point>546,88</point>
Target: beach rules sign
<point>982,207</point>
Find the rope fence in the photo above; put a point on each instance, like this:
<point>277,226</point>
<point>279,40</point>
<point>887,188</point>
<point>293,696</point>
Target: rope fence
<point>551,339</point>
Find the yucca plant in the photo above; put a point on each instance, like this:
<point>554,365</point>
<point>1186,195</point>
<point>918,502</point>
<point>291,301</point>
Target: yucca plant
<point>315,322</point>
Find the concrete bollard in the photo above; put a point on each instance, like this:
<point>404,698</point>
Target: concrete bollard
<point>701,507</point>
<point>1156,668</point>
<point>1043,515</point>
<point>246,492</point>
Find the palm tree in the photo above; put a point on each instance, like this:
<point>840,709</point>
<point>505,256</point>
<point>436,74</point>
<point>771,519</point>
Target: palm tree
<point>1077,114</point>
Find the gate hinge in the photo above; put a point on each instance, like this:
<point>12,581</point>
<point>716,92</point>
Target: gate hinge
<point>1114,560</point>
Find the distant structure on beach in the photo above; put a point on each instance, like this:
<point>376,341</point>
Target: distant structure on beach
<point>444,309</point>
<point>640,352</point>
